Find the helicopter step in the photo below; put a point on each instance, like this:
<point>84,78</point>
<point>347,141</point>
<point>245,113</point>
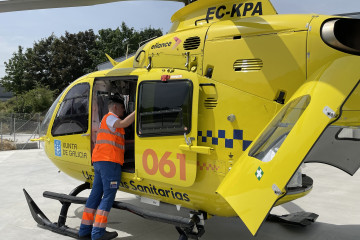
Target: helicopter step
<point>188,228</point>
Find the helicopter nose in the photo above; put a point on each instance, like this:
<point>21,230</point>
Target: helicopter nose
<point>342,34</point>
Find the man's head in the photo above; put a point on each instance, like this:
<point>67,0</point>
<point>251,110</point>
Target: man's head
<point>116,105</point>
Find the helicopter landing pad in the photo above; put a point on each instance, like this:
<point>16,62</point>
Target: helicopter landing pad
<point>335,198</point>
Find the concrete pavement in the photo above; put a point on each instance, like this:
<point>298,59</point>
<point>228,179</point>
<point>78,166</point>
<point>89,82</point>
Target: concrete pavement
<point>335,198</point>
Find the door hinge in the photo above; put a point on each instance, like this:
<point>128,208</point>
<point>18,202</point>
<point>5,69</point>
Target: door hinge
<point>329,112</point>
<point>276,190</point>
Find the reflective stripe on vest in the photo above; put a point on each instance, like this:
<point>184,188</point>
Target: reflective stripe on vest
<point>111,143</point>
<point>110,146</point>
<point>110,132</point>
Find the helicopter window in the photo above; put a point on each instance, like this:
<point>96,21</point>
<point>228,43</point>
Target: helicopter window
<point>273,137</point>
<point>164,108</point>
<point>45,123</point>
<point>72,116</point>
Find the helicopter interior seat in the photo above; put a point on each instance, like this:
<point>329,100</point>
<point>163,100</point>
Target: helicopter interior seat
<point>129,163</point>
<point>128,92</point>
<point>127,89</point>
<point>129,156</point>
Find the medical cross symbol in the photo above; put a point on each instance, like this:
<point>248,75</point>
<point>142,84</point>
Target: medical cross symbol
<point>259,173</point>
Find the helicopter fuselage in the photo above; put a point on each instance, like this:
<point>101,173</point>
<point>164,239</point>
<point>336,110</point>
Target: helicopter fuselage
<point>231,81</point>
<point>215,99</point>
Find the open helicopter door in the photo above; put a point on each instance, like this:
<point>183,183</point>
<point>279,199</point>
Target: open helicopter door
<point>260,176</point>
<point>124,87</point>
<point>166,130</point>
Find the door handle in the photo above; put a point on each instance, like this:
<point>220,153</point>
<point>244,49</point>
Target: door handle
<point>197,149</point>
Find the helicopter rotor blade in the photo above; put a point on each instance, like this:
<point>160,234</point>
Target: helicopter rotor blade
<point>352,15</point>
<point>21,5</point>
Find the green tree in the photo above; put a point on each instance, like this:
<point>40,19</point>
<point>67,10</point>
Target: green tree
<point>54,62</point>
<point>120,41</point>
<point>38,64</point>
<point>15,80</point>
<point>36,100</point>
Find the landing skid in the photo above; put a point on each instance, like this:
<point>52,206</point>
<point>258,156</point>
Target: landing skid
<point>299,218</point>
<point>187,227</point>
<point>57,227</point>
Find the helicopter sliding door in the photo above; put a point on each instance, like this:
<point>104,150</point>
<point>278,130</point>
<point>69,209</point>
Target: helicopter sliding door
<point>166,124</point>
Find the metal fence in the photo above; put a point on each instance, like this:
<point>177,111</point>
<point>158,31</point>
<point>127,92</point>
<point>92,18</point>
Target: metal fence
<point>16,130</point>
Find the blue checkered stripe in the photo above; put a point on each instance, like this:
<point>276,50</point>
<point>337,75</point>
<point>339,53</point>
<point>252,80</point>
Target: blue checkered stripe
<point>237,135</point>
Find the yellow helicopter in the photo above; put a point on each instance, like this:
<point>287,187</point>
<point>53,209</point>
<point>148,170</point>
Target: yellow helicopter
<point>229,104</point>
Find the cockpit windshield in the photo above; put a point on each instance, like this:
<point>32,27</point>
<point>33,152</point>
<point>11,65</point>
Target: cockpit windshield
<point>45,123</point>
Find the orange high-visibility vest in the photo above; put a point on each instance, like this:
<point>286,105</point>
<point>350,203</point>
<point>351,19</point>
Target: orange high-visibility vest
<point>110,146</point>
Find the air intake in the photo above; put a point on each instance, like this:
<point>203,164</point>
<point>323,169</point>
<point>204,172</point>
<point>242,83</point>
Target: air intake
<point>210,103</point>
<point>192,43</point>
<point>342,34</point>
<point>248,65</point>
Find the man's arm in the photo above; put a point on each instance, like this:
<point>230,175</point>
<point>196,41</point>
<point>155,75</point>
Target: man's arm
<point>126,122</point>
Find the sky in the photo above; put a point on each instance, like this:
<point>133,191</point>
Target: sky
<point>26,27</point>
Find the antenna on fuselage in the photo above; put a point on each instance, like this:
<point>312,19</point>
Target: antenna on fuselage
<point>189,1</point>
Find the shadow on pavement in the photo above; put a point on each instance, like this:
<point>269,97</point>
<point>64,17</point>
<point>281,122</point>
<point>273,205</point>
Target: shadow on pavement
<point>132,227</point>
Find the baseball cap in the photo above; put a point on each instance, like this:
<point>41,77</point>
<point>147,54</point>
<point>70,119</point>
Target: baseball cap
<point>116,99</point>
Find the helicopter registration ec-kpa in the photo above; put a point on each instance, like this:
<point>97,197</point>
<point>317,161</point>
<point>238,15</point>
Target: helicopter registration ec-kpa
<point>237,10</point>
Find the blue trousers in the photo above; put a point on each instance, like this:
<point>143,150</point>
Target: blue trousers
<point>106,183</point>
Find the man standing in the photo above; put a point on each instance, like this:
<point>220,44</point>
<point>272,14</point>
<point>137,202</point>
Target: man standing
<point>107,158</point>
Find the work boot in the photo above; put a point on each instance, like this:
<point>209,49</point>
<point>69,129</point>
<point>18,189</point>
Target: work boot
<point>86,237</point>
<point>108,236</point>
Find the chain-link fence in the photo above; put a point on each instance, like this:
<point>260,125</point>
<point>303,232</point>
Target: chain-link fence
<point>16,130</point>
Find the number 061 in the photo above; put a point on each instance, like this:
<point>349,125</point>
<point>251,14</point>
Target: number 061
<point>160,166</point>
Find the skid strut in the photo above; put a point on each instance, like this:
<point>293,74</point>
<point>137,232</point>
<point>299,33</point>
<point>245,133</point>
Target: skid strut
<point>60,226</point>
<point>187,227</point>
